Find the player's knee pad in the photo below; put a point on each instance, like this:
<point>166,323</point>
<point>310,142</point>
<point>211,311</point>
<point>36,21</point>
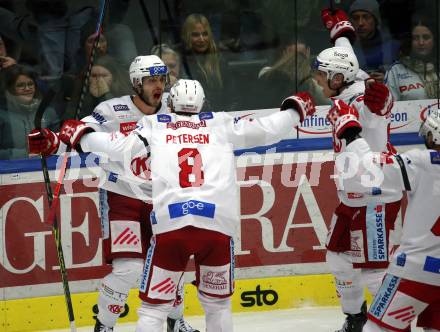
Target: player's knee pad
<point>218,313</point>
<point>348,281</point>
<point>372,278</point>
<point>152,316</point>
<point>340,265</point>
<point>128,269</point>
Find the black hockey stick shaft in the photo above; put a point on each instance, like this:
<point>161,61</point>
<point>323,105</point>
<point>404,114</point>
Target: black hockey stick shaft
<point>149,22</point>
<point>86,80</point>
<point>55,227</point>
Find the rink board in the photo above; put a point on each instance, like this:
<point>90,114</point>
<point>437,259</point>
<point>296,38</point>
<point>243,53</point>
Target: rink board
<point>43,313</point>
<point>287,196</point>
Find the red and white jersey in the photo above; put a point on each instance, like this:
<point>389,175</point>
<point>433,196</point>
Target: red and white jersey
<point>375,130</point>
<point>418,256</point>
<point>120,114</point>
<point>192,163</point>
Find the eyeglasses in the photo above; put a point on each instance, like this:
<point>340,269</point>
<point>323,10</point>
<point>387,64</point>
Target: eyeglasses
<point>24,85</point>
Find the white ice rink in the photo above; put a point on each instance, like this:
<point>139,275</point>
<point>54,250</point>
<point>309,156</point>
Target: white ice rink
<point>324,319</point>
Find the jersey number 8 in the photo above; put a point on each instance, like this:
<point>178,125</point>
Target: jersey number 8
<point>190,163</point>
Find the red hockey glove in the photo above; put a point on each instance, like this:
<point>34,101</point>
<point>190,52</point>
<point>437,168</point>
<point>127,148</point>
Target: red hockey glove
<point>343,117</point>
<point>72,131</point>
<point>338,24</point>
<point>377,97</point>
<point>302,102</point>
<point>44,142</point>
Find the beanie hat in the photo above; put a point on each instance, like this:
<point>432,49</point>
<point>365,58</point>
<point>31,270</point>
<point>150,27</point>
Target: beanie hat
<point>371,6</point>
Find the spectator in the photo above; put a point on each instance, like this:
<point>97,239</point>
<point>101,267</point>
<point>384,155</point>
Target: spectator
<point>107,80</point>
<point>171,59</point>
<point>117,40</point>
<point>415,75</point>
<point>5,60</point>
<point>290,73</point>
<point>203,60</point>
<point>17,118</point>
<point>374,47</point>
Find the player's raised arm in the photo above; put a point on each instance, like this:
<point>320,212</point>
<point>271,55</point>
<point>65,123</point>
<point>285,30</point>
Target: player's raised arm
<point>275,127</point>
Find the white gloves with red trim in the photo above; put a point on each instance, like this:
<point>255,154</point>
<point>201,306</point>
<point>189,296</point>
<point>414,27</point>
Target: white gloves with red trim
<point>302,102</point>
<point>337,23</point>
<point>344,119</point>
<point>72,131</point>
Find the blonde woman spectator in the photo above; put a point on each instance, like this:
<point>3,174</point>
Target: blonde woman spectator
<point>415,76</point>
<point>203,60</point>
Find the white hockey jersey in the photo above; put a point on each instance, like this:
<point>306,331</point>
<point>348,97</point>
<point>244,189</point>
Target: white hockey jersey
<point>119,114</point>
<point>404,83</point>
<point>192,163</point>
<point>375,130</point>
<point>418,256</point>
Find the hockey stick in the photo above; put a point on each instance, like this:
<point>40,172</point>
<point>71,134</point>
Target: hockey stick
<point>55,227</point>
<point>98,31</point>
<point>54,199</point>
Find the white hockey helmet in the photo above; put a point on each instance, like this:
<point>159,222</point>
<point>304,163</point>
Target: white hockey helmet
<point>431,124</point>
<point>186,96</point>
<point>337,60</point>
<point>144,66</point>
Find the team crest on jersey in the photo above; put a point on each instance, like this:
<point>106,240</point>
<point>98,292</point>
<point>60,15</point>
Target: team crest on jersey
<point>165,118</point>
<point>120,108</point>
<point>206,116</point>
<point>435,157</point>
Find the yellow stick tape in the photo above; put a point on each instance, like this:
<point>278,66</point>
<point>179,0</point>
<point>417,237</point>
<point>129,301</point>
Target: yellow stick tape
<point>44,313</point>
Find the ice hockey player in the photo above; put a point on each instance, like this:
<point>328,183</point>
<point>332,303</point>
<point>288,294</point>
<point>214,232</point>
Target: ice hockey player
<point>123,209</point>
<point>411,286</point>
<point>195,197</point>
<point>357,246</point>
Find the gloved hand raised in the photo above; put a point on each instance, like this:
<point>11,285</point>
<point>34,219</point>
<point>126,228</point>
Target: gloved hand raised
<point>302,102</point>
<point>44,142</point>
<point>344,119</point>
<point>338,24</point>
<point>72,131</point>
<point>377,97</point>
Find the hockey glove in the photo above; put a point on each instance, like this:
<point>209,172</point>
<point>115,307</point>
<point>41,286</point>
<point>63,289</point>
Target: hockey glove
<point>338,24</point>
<point>72,131</point>
<point>377,97</point>
<point>344,119</point>
<point>302,102</point>
<point>44,142</point>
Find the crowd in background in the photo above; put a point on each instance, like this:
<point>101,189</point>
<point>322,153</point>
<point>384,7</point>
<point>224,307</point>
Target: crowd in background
<point>246,54</point>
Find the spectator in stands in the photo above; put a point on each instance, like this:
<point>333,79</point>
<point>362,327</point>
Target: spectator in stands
<point>204,62</point>
<point>172,60</point>
<point>374,47</point>
<point>17,118</point>
<point>415,75</point>
<point>107,80</point>
<point>5,60</point>
<point>290,73</point>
